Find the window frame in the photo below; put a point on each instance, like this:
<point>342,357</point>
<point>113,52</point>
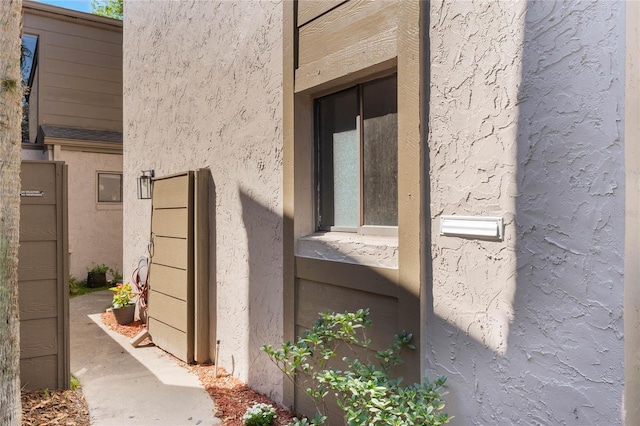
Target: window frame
<point>101,172</point>
<point>361,228</point>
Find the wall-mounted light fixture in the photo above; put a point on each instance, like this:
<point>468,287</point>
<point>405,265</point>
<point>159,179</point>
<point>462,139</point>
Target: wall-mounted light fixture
<point>145,185</point>
<point>472,227</point>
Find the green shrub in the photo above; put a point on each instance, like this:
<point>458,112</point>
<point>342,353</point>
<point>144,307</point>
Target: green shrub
<point>74,285</point>
<point>366,393</point>
<point>74,383</point>
<point>98,269</point>
<point>116,276</point>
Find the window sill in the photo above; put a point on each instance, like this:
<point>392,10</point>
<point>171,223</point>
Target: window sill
<point>103,206</point>
<point>345,247</point>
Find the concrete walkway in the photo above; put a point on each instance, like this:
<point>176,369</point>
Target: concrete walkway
<point>127,386</point>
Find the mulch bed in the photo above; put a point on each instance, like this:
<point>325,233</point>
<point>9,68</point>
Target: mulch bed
<point>129,330</point>
<point>69,408</point>
<point>54,407</point>
<point>231,396</point>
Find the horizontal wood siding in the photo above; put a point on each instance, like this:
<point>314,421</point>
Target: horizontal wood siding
<point>79,97</point>
<point>34,341</point>
<point>70,56</point>
<point>39,372</point>
<point>352,22</point>
<point>170,310</point>
<point>96,73</point>
<point>170,192</point>
<point>37,299</point>
<point>88,32</point>
<point>171,273</point>
<point>340,287</point>
<point>315,297</point>
<point>34,178</point>
<point>84,84</point>
<point>168,338</point>
<point>327,286</point>
<point>170,252</point>
<point>37,260</point>
<point>169,280</point>
<point>76,62</point>
<point>42,278</point>
<point>371,279</point>
<point>309,10</point>
<point>356,36</point>
<point>38,222</point>
<point>171,223</point>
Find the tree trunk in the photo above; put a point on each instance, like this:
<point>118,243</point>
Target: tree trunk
<point>10,144</point>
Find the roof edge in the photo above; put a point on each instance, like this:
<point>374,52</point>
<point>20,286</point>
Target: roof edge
<point>85,145</point>
<point>60,13</point>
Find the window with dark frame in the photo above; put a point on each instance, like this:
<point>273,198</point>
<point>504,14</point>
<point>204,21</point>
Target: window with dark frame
<point>109,187</point>
<point>357,158</point>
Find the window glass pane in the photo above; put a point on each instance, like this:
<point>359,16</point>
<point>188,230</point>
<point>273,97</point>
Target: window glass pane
<point>109,188</point>
<point>380,152</point>
<point>345,178</point>
<point>338,160</point>
<point>29,68</point>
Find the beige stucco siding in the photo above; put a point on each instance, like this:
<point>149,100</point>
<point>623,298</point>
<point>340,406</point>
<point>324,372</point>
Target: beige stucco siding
<point>80,68</point>
<point>95,229</point>
<point>526,105</point>
<point>203,89</point>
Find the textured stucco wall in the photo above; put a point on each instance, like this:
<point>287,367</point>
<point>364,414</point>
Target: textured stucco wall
<point>203,88</point>
<point>95,229</point>
<point>526,106</point>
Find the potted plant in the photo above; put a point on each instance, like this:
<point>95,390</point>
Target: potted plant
<point>97,276</point>
<point>122,305</point>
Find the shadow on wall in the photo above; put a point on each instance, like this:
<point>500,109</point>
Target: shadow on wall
<point>351,287</point>
<point>264,243</point>
<point>563,363</point>
<point>570,212</point>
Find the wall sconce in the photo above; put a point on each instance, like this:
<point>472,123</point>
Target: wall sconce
<point>145,186</point>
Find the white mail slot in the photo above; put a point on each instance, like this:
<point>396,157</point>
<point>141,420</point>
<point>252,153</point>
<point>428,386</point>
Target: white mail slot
<point>472,227</point>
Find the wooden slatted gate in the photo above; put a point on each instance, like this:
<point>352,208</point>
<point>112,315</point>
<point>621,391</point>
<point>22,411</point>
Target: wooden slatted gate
<point>178,274</point>
<point>43,271</point>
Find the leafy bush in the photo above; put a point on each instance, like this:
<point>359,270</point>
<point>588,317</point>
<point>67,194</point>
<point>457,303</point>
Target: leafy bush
<point>116,276</point>
<point>74,383</point>
<point>366,393</point>
<point>98,269</point>
<point>74,285</point>
<point>123,295</point>
<point>259,415</point>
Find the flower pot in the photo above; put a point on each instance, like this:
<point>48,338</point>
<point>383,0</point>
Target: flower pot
<point>124,315</point>
<point>96,279</point>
